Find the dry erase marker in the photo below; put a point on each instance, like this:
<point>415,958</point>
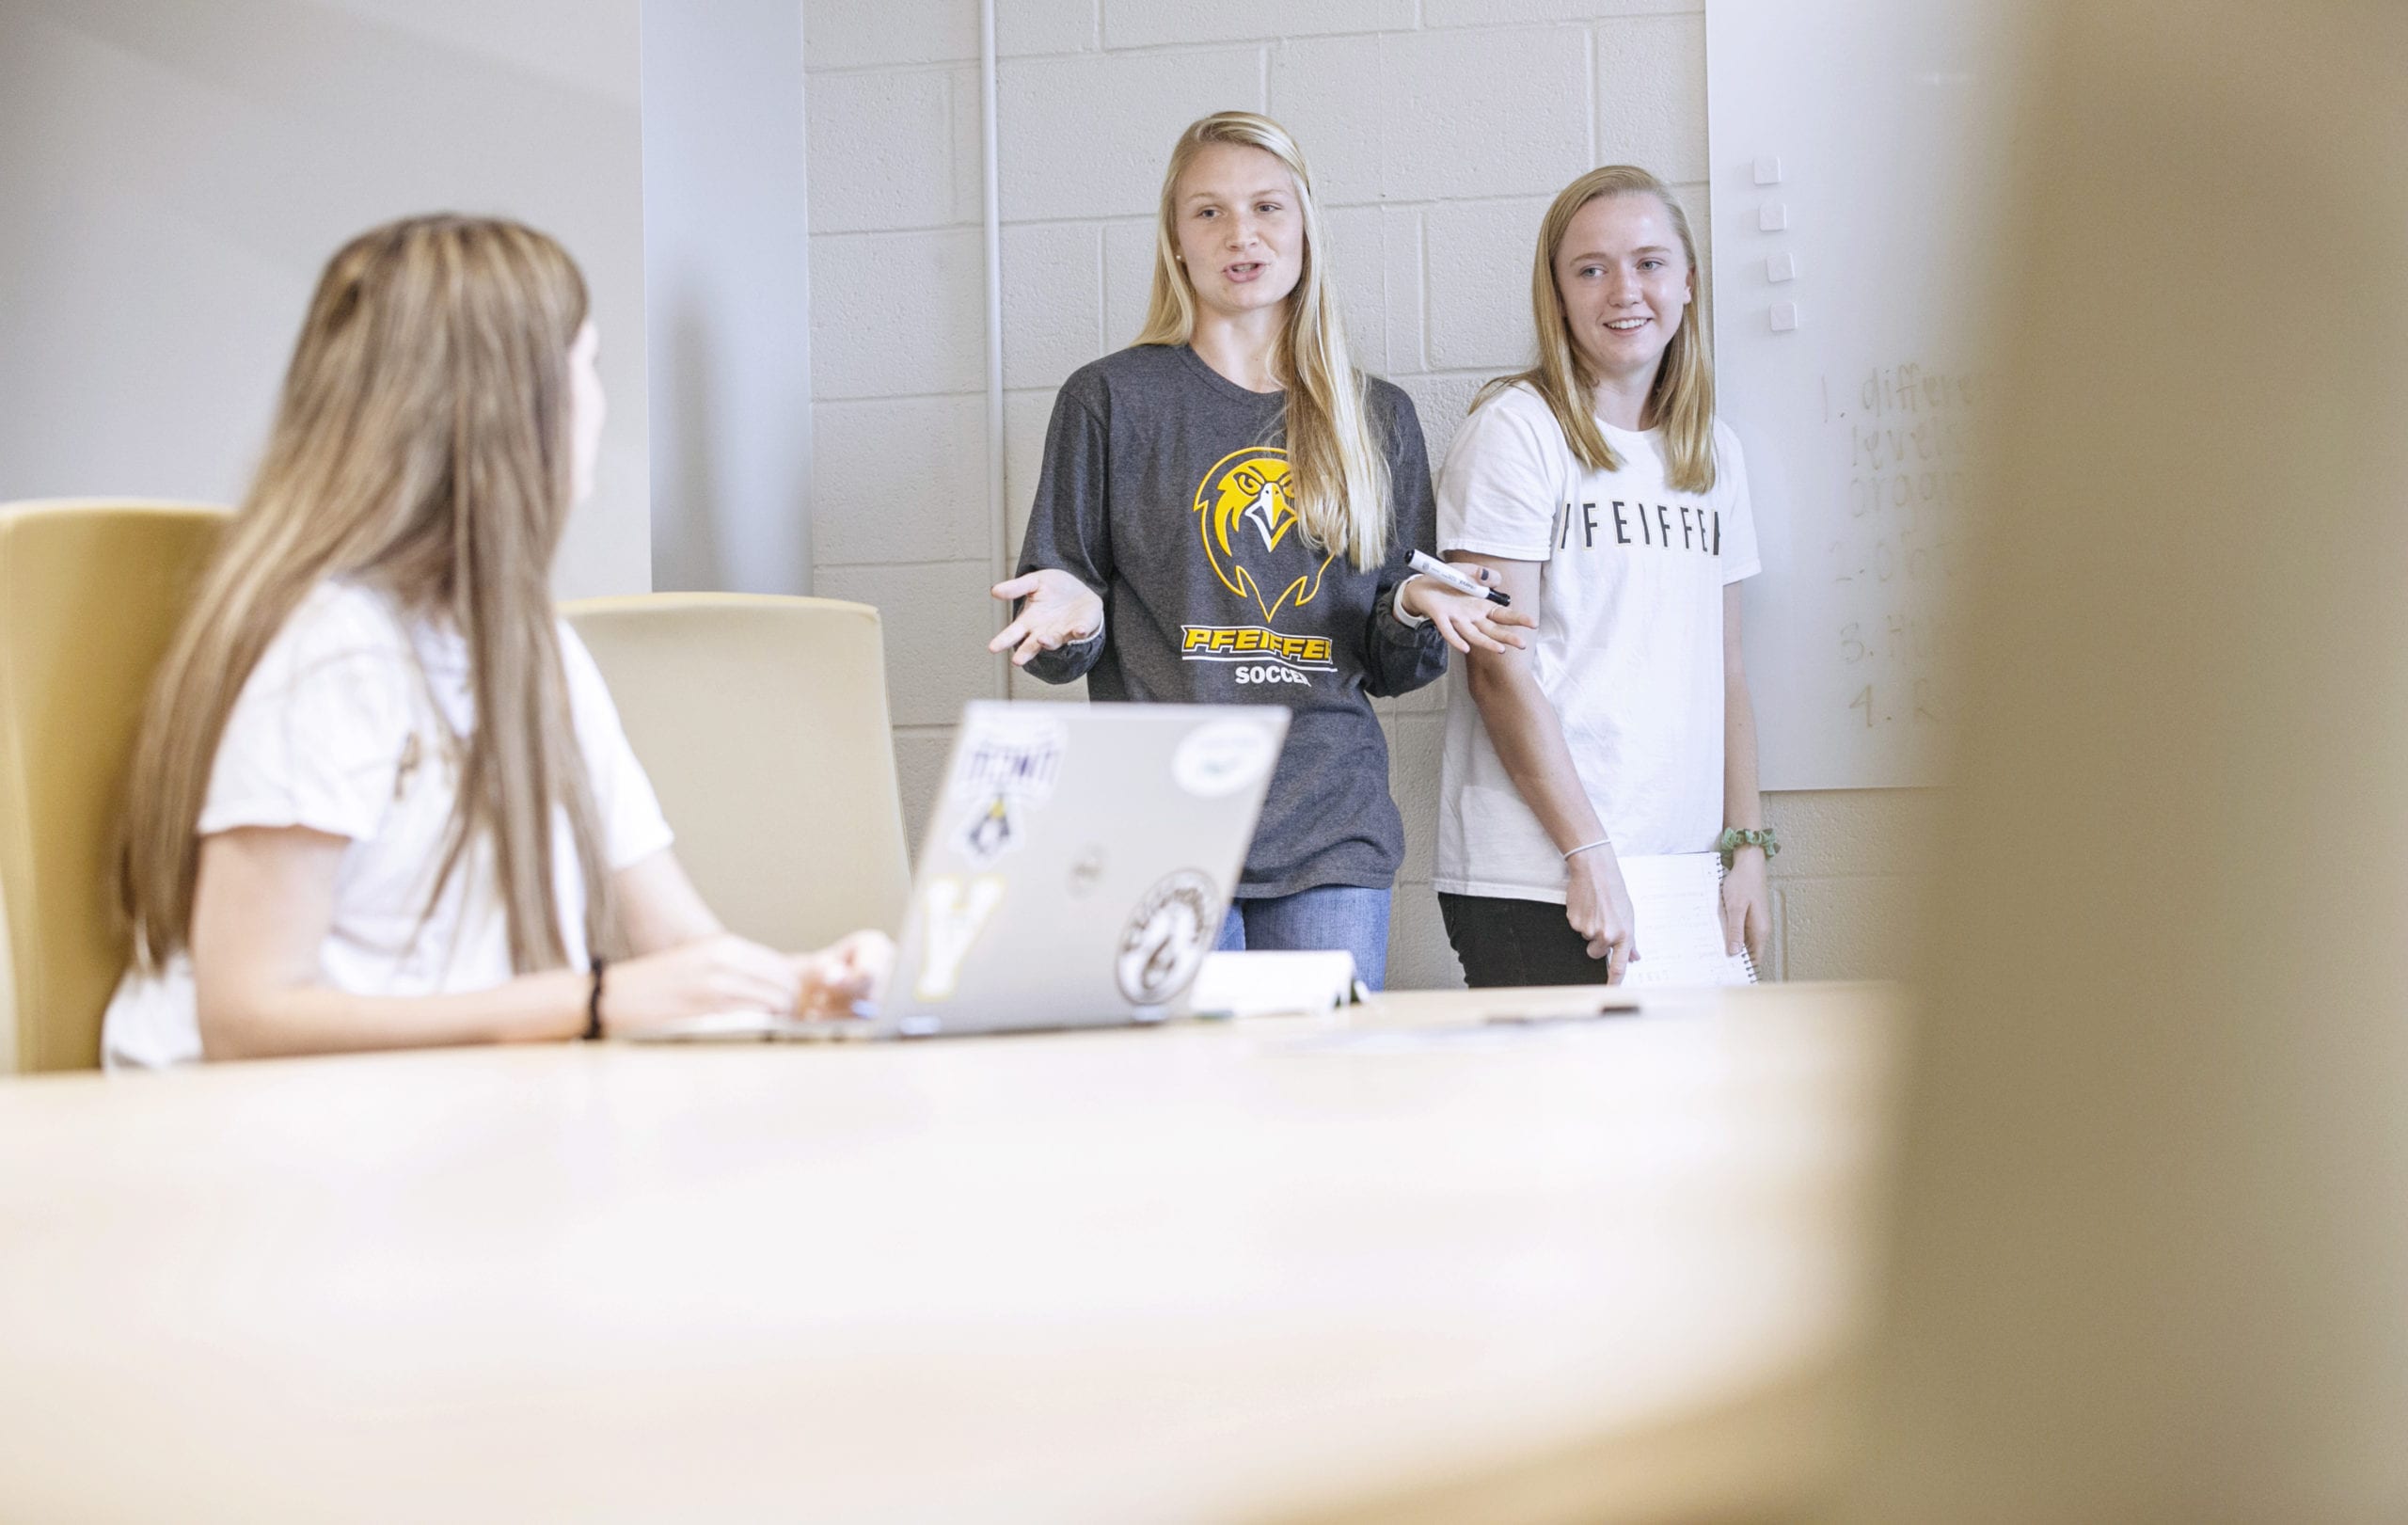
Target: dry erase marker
<point>1439,571</point>
<point>1625,1007</point>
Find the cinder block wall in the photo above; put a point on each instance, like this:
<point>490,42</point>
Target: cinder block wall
<point>1437,131</point>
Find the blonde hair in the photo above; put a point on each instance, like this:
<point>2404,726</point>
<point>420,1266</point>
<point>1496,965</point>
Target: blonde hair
<point>1338,474</point>
<point>421,446</point>
<point>1681,402</point>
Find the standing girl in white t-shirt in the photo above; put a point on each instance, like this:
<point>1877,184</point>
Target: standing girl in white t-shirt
<point>380,796</point>
<point>1601,490</point>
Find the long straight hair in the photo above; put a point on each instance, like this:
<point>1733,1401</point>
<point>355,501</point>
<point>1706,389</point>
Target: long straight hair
<point>421,446</point>
<point>1338,474</point>
<point>1680,403</point>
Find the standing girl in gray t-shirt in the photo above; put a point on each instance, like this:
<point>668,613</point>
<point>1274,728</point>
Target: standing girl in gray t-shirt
<point>1225,516</point>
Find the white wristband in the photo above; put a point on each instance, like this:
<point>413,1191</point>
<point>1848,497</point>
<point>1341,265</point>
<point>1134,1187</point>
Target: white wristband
<point>1601,842</point>
<point>1396,605</point>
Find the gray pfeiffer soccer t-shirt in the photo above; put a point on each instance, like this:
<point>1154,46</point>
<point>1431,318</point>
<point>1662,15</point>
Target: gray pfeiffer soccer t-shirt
<point>1164,488</point>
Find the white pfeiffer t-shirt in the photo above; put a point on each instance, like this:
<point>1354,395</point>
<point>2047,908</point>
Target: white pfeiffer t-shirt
<point>1629,648</point>
<point>336,731</point>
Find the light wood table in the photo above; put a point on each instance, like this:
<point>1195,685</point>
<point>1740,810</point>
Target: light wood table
<point>1394,1265</point>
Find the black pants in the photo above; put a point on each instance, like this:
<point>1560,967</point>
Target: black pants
<point>1504,942</point>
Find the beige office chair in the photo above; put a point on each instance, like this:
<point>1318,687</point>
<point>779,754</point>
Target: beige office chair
<point>90,594</point>
<point>762,721</point>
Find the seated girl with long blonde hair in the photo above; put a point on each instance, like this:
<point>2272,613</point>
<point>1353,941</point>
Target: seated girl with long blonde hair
<point>381,797</point>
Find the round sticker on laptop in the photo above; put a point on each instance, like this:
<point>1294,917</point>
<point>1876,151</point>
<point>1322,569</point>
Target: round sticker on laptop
<point>1222,757</point>
<point>1166,938</point>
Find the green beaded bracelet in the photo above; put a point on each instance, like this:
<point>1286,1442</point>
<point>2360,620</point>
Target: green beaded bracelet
<point>1735,838</point>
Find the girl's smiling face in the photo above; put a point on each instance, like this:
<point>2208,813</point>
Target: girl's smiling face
<point>1623,278</point>
<point>1239,229</point>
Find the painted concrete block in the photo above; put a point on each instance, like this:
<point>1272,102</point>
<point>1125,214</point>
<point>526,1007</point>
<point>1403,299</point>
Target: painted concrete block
<point>1856,832</point>
<point>966,134</point>
<point>1026,415</point>
<point>1088,135</point>
<point>1777,959</point>
<point>1128,257</point>
<point>1420,116</point>
<point>1401,251</point>
<point>1697,203</point>
<point>898,480</point>
<point>882,151</point>
<point>1145,23</point>
<point>898,314</point>
<point>1444,402</point>
<point>1486,114</point>
<point>1052,301</point>
<point>1414,744</point>
<point>1479,255</point>
<point>1355,265</point>
<point>937,624</point>
<point>1507,12</point>
<point>920,752</point>
<point>1419,957</point>
<point>1025,687</point>
<point>1323,91</point>
<point>1651,94</point>
<point>1851,928</point>
<point>1031,26</point>
<point>847,34</point>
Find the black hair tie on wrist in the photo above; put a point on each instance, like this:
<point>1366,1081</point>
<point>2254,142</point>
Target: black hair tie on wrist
<point>593,1001</point>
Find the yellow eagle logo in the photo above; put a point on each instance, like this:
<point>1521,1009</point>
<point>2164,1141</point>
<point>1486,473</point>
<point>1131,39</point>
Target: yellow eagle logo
<point>1247,512</point>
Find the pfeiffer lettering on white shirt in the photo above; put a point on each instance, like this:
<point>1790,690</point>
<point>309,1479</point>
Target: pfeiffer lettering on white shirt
<point>1701,528</point>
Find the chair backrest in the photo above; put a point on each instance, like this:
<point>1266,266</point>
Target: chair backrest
<point>762,721</point>
<point>90,593</point>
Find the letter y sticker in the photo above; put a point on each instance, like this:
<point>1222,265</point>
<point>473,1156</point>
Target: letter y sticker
<point>955,913</point>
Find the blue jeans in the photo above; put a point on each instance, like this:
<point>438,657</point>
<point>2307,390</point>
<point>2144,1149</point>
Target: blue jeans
<point>1329,916</point>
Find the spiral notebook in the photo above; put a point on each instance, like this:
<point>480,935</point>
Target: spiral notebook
<point>1676,898</point>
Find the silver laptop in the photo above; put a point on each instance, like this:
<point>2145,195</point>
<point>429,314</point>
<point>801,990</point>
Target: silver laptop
<point>1077,865</point>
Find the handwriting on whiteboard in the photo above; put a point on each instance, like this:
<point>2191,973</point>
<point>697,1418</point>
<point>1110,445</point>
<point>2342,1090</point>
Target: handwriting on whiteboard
<point>1912,436</point>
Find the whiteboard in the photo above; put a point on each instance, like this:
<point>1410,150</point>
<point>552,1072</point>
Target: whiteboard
<point>1860,151</point>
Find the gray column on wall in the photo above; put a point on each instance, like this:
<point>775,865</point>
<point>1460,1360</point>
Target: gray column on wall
<point>173,175</point>
<point>727,294</point>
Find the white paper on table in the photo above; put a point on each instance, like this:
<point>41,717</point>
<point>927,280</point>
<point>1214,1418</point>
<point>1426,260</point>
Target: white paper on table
<point>1257,984</point>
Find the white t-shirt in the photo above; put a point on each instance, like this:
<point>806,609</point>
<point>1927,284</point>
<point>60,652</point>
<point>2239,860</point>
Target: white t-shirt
<point>336,731</point>
<point>1629,648</point>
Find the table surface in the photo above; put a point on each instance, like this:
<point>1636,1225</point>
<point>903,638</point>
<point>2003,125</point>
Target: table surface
<point>1370,1266</point>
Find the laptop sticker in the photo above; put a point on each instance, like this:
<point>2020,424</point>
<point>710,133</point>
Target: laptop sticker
<point>1018,754</point>
<point>1008,767</point>
<point>990,830</point>
<point>1222,757</point>
<point>956,912</point>
<point>1166,938</point>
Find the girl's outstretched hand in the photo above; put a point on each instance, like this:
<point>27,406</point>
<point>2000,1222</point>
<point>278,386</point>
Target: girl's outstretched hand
<point>1060,610</point>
